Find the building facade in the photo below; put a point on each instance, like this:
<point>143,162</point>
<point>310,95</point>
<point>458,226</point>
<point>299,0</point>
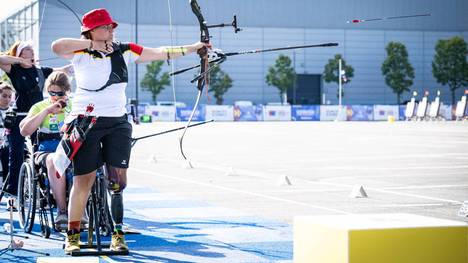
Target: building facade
<point>276,23</point>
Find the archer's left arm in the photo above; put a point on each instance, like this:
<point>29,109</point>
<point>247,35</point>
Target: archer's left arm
<point>170,52</point>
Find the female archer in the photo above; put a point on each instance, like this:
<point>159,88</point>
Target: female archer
<point>100,66</point>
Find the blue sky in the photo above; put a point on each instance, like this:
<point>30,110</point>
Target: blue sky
<point>8,7</point>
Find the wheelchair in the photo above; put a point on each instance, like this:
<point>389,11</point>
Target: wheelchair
<point>100,219</point>
<point>34,195</point>
<point>98,207</point>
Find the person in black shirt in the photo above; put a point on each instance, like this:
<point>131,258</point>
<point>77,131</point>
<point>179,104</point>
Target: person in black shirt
<point>28,81</point>
<point>6,92</point>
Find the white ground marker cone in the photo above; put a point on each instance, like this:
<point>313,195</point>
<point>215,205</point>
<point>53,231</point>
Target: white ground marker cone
<point>231,172</point>
<point>284,180</point>
<point>358,192</point>
<point>152,159</point>
<point>463,212</point>
<point>187,164</point>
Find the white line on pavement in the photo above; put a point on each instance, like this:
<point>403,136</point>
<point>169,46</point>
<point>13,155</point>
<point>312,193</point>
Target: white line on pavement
<point>367,167</point>
<point>393,176</point>
<point>269,176</point>
<point>408,205</point>
<point>372,157</point>
<point>426,186</point>
<point>242,191</point>
<point>391,192</point>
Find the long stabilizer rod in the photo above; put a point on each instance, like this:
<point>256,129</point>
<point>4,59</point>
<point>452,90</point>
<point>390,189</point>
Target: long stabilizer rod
<point>134,140</point>
<point>278,49</point>
<point>223,55</point>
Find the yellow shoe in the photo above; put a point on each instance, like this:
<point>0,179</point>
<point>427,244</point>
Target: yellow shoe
<point>72,243</point>
<point>118,242</point>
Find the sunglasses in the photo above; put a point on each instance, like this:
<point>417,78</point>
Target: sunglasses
<point>106,27</point>
<point>56,93</point>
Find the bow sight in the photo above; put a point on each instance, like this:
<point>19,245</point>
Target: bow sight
<point>233,24</point>
<point>197,11</point>
<point>210,58</point>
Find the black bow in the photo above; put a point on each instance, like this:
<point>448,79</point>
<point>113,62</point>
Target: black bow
<point>73,11</point>
<point>203,79</point>
<point>204,76</point>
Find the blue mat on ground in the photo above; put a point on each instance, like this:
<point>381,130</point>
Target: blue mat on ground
<point>176,230</point>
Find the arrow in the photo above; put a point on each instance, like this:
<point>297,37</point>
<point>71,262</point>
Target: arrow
<point>357,21</point>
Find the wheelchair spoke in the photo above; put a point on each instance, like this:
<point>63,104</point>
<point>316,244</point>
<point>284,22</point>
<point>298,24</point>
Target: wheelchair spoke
<point>44,221</point>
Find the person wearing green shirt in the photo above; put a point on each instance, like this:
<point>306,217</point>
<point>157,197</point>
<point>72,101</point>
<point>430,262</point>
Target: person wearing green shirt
<point>47,118</point>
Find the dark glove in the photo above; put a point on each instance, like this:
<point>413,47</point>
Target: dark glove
<point>10,119</point>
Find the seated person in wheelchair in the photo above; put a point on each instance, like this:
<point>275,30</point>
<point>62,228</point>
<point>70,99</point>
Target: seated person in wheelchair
<point>47,117</point>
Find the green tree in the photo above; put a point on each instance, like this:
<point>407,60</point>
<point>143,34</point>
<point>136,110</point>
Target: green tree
<point>398,72</point>
<point>220,83</point>
<point>152,82</point>
<point>449,66</point>
<point>330,73</point>
<point>281,76</point>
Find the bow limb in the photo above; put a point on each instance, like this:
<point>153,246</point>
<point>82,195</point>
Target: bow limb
<point>204,64</point>
<point>40,24</point>
<point>171,29</point>
<point>71,10</point>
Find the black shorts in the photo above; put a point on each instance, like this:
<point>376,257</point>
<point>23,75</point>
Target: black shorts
<point>40,158</point>
<point>108,141</point>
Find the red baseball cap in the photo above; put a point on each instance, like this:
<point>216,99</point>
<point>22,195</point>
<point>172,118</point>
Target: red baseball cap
<point>95,18</point>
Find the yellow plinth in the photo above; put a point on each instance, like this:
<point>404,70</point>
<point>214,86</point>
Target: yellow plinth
<point>379,238</point>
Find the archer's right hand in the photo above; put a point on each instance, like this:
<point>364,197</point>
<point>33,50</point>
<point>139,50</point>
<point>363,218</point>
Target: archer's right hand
<point>102,46</point>
<point>26,62</point>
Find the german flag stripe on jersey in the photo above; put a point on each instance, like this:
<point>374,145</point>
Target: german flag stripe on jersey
<point>132,47</point>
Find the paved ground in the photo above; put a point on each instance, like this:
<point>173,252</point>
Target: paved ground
<point>235,205</point>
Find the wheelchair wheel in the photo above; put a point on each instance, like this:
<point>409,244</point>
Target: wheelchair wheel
<point>45,209</point>
<point>91,218</point>
<point>96,222</point>
<point>49,199</point>
<point>27,196</point>
<point>106,225</point>
<point>44,222</point>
